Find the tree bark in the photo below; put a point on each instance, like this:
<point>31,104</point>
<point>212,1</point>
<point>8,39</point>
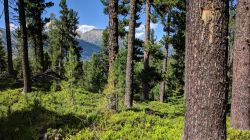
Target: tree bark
<point>206,85</point>
<point>145,85</point>
<point>165,61</point>
<point>24,46</point>
<point>113,31</point>
<point>240,110</point>
<point>128,102</point>
<point>8,38</point>
<point>164,68</point>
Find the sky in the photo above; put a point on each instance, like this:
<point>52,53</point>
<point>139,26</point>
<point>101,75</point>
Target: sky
<point>91,16</point>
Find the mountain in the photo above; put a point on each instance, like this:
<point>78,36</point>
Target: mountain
<point>90,41</point>
<point>93,36</point>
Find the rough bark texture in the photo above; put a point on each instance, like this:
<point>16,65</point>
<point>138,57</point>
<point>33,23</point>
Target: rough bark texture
<point>240,110</point>
<point>24,47</point>
<point>164,68</point>
<point>113,31</point>
<point>145,85</point>
<point>8,38</point>
<point>206,70</point>
<point>128,102</point>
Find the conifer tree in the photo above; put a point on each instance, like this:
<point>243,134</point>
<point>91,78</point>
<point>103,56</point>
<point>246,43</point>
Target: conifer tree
<point>145,85</point>
<point>66,30</point>
<point>240,110</point>
<point>113,31</point>
<point>206,70</point>
<point>2,57</point>
<point>35,9</point>
<point>54,43</point>
<point>24,47</point>
<point>128,102</point>
<point>8,38</point>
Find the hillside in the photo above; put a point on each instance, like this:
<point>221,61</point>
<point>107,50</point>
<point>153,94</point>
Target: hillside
<point>89,41</point>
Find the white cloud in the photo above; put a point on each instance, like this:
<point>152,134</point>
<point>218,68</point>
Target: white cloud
<point>141,28</point>
<point>13,27</point>
<point>139,35</point>
<point>85,28</point>
<point>153,25</point>
<point>140,31</point>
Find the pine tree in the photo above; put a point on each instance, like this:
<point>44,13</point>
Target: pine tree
<point>2,57</point>
<point>24,46</point>
<point>71,71</point>
<point>35,9</point>
<point>145,86</point>
<point>172,17</point>
<point>62,38</point>
<point>113,31</point>
<point>8,38</point>
<point>206,69</point>
<point>165,18</point>
<point>54,43</point>
<point>240,110</point>
<point>128,102</point>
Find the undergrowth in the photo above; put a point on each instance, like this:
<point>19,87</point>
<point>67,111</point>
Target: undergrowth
<point>83,116</point>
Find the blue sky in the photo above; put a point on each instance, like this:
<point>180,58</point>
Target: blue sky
<point>91,15</point>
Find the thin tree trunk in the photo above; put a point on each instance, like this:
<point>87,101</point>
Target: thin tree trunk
<point>145,85</point>
<point>240,110</point>
<point>164,69</point>
<point>40,42</point>
<point>113,31</point>
<point>206,85</point>
<point>165,62</point>
<point>8,38</point>
<point>128,102</point>
<point>24,46</point>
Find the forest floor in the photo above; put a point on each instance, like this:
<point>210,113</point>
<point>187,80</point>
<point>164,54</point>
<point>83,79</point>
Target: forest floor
<point>83,116</point>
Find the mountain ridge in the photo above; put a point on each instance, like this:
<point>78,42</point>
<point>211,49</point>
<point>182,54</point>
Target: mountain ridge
<point>90,41</point>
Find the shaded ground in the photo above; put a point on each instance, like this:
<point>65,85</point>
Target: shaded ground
<point>83,116</point>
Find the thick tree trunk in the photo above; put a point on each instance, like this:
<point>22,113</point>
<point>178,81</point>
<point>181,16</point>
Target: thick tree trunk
<point>240,110</point>
<point>128,102</point>
<point>113,31</point>
<point>8,38</point>
<point>145,85</point>
<point>206,70</point>
<point>24,46</point>
<point>164,68</point>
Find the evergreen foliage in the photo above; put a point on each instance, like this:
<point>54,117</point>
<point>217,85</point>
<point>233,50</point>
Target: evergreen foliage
<point>3,64</point>
<point>70,94</point>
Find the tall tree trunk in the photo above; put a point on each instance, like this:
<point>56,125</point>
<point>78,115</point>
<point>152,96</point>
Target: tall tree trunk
<point>24,46</point>
<point>40,41</point>
<point>165,61</point>
<point>113,31</point>
<point>240,110</point>
<point>8,38</point>
<point>145,85</point>
<point>112,50</point>
<point>206,85</point>
<point>128,102</point>
<point>164,68</point>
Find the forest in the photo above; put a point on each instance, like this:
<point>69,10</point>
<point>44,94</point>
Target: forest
<point>190,84</point>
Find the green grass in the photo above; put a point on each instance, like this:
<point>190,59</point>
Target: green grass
<point>83,116</point>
